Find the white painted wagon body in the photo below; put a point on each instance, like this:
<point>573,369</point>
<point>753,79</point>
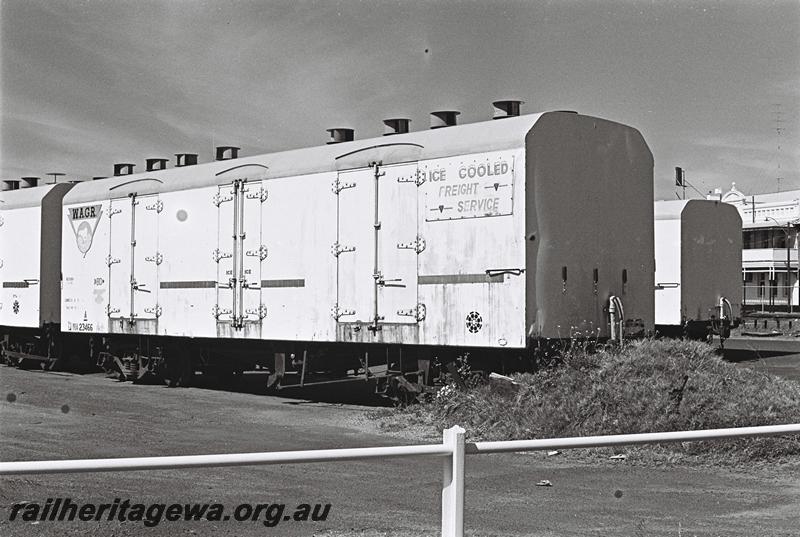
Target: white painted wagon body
<point>479,235</point>
<point>30,248</point>
<point>698,260</point>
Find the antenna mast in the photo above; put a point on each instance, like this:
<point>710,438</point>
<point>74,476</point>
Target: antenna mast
<point>778,132</point>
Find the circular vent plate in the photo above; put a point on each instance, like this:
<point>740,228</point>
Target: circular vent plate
<point>474,321</point>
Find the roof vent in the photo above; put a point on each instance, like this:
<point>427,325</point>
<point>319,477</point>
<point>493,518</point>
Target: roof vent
<point>227,152</point>
<point>341,135</point>
<point>503,109</point>
<point>396,126</point>
<point>123,169</point>
<point>185,159</point>
<point>11,184</point>
<point>155,164</point>
<point>443,118</point>
<point>29,182</point>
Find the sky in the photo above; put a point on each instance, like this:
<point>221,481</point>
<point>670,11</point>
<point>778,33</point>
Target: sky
<point>714,87</point>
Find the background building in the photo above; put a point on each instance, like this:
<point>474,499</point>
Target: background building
<point>770,224</point>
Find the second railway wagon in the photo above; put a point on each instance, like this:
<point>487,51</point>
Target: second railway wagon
<point>493,235</point>
<point>30,251</point>
<point>698,267</point>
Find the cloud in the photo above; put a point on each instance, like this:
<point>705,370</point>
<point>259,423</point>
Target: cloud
<point>86,84</point>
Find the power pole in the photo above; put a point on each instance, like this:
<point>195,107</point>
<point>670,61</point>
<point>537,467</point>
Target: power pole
<point>788,269</point>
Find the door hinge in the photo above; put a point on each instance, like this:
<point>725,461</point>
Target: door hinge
<point>337,186</point>
<point>417,178</point>
<point>219,200</point>
<point>158,206</point>
<point>217,255</point>
<point>112,212</point>
<point>154,311</point>
<point>261,253</point>
<point>260,195</point>
<point>418,245</point>
<point>337,249</point>
<point>216,311</point>
<point>110,310</point>
<point>111,260</point>
<point>261,311</point>
<point>418,313</point>
<point>338,313</point>
<point>157,259</point>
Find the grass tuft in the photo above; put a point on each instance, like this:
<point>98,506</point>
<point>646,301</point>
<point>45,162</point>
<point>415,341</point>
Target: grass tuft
<point>645,386</point>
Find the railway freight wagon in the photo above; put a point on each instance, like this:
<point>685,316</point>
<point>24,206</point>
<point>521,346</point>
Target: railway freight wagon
<point>698,267</point>
<point>494,235</point>
<point>30,254</point>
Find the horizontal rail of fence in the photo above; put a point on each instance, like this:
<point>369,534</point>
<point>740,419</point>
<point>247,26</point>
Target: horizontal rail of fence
<point>227,459</point>
<point>453,449</point>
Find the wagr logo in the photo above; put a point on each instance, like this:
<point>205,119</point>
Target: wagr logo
<point>84,223</point>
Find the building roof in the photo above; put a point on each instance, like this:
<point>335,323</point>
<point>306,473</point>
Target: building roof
<point>735,196</point>
<point>765,210</point>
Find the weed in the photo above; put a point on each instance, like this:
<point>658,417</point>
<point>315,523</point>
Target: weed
<point>639,387</point>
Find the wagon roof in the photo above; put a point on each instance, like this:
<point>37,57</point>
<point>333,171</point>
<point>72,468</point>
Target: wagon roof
<point>673,209</point>
<point>27,197</point>
<point>435,143</point>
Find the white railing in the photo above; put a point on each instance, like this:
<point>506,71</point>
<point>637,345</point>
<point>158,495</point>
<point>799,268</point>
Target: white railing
<point>453,449</point>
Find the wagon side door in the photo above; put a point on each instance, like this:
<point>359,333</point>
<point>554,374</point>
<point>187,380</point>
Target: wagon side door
<point>146,257</point>
<point>254,252</point>
<point>223,253</point>
<point>354,248</point>
<point>119,258</point>
<point>398,245</point>
<point>377,245</point>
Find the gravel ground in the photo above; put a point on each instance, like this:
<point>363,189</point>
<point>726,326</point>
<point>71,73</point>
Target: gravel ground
<point>62,416</point>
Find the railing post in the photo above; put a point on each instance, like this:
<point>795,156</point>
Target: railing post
<point>453,484</point>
